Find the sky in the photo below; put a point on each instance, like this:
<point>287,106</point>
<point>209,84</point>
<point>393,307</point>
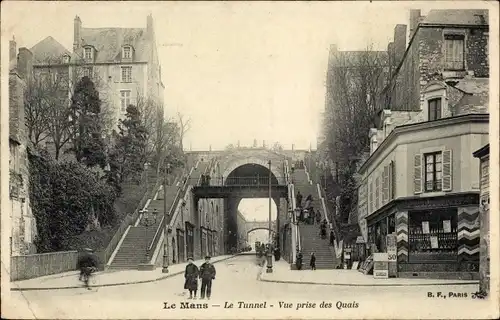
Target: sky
<point>239,70</point>
<point>257,209</point>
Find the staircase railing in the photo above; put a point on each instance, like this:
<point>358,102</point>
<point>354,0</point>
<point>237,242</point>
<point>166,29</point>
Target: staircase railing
<point>165,218</point>
<point>332,225</point>
<point>129,220</point>
<point>296,243</point>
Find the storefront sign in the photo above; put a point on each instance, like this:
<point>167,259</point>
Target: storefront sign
<point>363,226</point>
<point>434,242</point>
<point>392,249</point>
<point>447,226</point>
<point>381,265</point>
<point>425,227</point>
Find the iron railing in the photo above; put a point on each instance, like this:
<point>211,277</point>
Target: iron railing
<point>236,181</point>
<point>163,221</point>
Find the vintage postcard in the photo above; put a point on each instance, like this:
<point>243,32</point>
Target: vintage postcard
<point>250,160</point>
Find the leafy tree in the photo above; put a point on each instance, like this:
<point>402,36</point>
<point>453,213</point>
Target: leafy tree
<point>65,198</point>
<point>86,128</point>
<point>129,154</point>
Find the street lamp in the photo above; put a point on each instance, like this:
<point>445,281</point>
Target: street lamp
<point>146,221</point>
<point>146,167</point>
<point>167,230</point>
<point>269,251</point>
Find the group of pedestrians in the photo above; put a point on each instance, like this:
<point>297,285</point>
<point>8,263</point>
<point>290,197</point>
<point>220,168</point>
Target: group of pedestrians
<point>206,273</point>
<point>307,214</point>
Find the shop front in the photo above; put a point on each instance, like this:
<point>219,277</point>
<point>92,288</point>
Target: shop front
<point>437,237</point>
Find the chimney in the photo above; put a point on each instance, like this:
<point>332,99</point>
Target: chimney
<point>399,42</point>
<point>12,50</point>
<point>77,35</point>
<point>149,25</point>
<point>25,63</point>
<point>390,54</point>
<point>414,20</point>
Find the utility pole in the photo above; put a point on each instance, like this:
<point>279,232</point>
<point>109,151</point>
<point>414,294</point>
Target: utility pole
<point>269,252</point>
<point>165,229</point>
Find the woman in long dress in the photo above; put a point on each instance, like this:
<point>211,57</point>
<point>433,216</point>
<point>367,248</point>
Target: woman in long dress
<point>191,275</point>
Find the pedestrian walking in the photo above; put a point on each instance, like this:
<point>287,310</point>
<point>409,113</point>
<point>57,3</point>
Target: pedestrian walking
<point>298,200</point>
<point>313,261</point>
<point>191,278</point>
<point>309,200</point>
<point>332,237</point>
<point>318,217</point>
<point>207,274</point>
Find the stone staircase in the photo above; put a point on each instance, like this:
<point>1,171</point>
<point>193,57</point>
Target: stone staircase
<point>311,242</point>
<point>309,234</point>
<point>132,251</point>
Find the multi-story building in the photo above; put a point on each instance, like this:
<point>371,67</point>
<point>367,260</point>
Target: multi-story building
<point>126,62</point>
<point>23,222</point>
<point>484,208</point>
<point>123,63</point>
<point>420,181</point>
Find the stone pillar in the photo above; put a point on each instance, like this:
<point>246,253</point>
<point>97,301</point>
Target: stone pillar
<point>402,235</point>
<point>468,238</point>
<point>197,230</point>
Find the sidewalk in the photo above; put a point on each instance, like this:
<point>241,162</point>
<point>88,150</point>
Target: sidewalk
<point>340,277</point>
<point>69,280</point>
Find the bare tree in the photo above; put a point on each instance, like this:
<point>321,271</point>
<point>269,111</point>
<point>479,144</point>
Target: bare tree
<point>47,104</point>
<point>184,126</point>
<point>355,80</point>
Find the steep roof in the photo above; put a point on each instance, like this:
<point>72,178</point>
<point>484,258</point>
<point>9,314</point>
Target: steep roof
<point>49,50</point>
<point>109,42</point>
<point>457,17</point>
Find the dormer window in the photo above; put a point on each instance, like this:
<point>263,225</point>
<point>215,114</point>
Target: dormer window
<point>88,53</point>
<point>434,109</point>
<point>127,52</point>
<point>66,59</point>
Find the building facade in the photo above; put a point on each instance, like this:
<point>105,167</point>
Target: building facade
<point>23,230</point>
<point>484,208</point>
<point>125,60</point>
<point>420,181</point>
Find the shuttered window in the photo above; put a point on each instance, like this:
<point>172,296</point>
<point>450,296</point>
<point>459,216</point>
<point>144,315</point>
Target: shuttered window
<point>447,171</point>
<point>454,57</point>
<point>392,180</point>
<point>417,174</point>
<point>433,171</point>
<point>377,197</point>
<point>370,192</point>
<point>385,185</point>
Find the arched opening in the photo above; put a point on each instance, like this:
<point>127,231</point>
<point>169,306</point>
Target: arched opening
<point>250,173</point>
<point>239,211</point>
<point>260,235</point>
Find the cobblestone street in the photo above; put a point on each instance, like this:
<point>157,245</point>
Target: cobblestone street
<point>237,281</point>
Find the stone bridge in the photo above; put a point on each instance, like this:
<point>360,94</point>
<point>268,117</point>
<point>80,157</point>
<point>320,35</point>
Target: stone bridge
<point>236,174</point>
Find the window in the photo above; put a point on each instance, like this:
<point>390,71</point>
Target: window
<point>454,48</point>
<point>127,53</point>
<point>124,99</point>
<point>88,53</point>
<point>433,171</point>
<point>434,110</point>
<point>88,72</point>
<point>126,74</point>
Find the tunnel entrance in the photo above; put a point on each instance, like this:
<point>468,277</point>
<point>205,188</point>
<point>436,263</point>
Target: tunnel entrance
<point>239,210</point>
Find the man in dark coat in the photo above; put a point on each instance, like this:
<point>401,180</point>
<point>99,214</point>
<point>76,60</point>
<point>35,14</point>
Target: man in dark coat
<point>191,275</point>
<point>87,261</point>
<point>207,274</point>
<point>313,261</point>
<point>298,200</point>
